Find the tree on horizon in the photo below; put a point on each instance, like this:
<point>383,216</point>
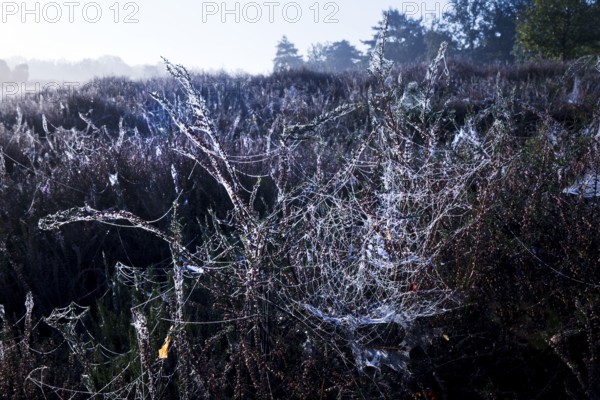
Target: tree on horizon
<point>21,73</point>
<point>4,72</point>
<point>405,38</point>
<point>337,56</point>
<point>484,30</point>
<point>287,56</point>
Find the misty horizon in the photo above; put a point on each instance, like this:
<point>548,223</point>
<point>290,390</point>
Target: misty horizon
<point>211,36</point>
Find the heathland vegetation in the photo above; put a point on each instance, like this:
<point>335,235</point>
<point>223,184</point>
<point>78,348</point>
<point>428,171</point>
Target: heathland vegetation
<point>426,230</point>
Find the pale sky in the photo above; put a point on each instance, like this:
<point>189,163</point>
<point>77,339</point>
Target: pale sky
<point>195,33</point>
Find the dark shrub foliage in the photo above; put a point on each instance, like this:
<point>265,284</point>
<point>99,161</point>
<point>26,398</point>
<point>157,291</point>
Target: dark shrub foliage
<point>475,189</point>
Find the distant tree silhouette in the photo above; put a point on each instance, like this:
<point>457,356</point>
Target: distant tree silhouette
<point>500,35</point>
<point>484,30</point>
<point>317,56</point>
<point>21,73</point>
<point>4,72</point>
<point>287,56</point>
<point>405,38</point>
<point>434,36</point>
<point>337,56</point>
<point>112,65</point>
<point>466,21</point>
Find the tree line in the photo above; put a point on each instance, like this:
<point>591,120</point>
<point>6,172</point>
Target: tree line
<point>479,31</point>
<point>19,74</point>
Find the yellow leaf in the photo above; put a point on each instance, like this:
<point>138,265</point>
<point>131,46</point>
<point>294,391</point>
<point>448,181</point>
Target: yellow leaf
<point>163,351</point>
<point>446,337</point>
<point>389,235</point>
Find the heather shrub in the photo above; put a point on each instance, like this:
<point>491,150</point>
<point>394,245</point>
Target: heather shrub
<point>414,233</point>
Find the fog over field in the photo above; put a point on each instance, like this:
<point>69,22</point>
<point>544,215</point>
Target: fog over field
<point>228,35</point>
